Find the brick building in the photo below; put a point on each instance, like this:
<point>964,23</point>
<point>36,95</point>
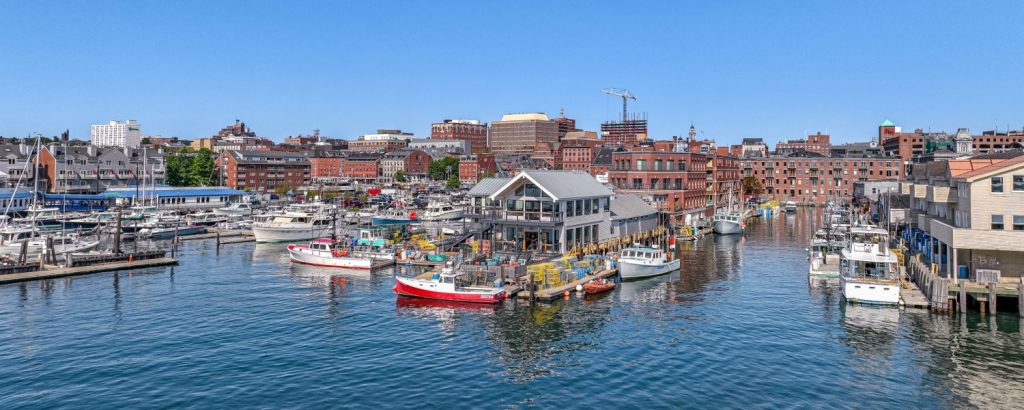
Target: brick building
<point>471,131</point>
<point>577,154</point>
<point>520,133</point>
<point>472,168</point>
<point>361,166</point>
<point>722,175</point>
<point>325,165</point>
<point>810,178</point>
<point>817,143</point>
<point>263,170</point>
<point>413,163</point>
<point>382,141</point>
<point>673,181</point>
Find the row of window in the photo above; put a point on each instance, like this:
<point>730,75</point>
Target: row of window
<point>999,225</point>
<point>581,235</point>
<point>1018,184</point>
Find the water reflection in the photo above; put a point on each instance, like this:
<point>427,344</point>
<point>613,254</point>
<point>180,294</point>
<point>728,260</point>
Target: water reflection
<point>870,330</point>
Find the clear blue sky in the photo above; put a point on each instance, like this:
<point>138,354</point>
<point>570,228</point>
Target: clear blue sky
<point>735,69</point>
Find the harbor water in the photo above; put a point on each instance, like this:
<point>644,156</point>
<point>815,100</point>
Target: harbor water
<point>736,327</point>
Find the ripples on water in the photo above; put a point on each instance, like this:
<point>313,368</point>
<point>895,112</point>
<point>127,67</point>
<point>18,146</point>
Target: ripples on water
<point>737,327</point>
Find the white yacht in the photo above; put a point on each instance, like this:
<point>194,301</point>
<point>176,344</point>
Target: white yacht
<point>868,268</point>
<point>69,243</point>
<point>638,263</point>
<point>206,219</point>
<point>790,206</point>
<point>298,223</point>
<point>727,223</point>
<point>237,208</point>
<point>442,211</point>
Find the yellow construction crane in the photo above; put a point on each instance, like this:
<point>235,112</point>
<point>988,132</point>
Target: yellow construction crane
<point>626,96</point>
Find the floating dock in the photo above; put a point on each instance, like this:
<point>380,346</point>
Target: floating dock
<point>84,270</point>
<point>557,291</point>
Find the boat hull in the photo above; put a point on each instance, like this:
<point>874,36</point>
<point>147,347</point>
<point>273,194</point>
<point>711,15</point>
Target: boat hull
<point>306,256</point>
<point>870,291</point>
<point>727,228</point>
<point>631,271</point>
<point>282,234</point>
<point>445,216</point>
<point>378,221</point>
<point>422,289</point>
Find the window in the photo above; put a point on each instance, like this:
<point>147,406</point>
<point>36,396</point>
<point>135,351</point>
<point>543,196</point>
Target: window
<point>1018,183</point>
<point>997,184</point>
<point>997,222</point>
<point>1018,222</point>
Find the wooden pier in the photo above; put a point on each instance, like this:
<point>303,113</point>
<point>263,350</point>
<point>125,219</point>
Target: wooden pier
<point>83,270</point>
<point>556,292</point>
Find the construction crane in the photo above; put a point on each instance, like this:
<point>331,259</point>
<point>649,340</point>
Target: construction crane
<point>626,96</point>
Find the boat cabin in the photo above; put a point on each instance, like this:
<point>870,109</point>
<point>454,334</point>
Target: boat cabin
<point>642,253</point>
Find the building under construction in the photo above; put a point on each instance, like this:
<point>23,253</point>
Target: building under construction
<point>630,129</point>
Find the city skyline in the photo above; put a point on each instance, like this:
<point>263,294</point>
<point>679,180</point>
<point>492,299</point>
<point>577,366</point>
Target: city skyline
<point>737,70</point>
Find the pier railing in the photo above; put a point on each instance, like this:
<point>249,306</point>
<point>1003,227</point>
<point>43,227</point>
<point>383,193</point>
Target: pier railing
<point>934,287</point>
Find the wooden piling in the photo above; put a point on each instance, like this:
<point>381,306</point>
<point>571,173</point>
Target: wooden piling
<point>992,298</point>
<point>962,298</point>
<point>1020,299</point>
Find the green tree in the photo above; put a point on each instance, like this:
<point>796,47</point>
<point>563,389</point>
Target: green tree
<point>201,168</point>
<point>145,141</point>
<point>399,176</point>
<point>439,169</point>
<point>282,190</point>
<point>453,181</point>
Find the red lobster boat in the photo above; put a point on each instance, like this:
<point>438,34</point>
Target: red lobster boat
<point>598,286</point>
<point>443,287</point>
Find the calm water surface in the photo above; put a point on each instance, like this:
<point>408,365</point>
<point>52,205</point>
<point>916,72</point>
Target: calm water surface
<point>737,327</point>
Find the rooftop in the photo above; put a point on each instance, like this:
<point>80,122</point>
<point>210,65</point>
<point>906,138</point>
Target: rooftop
<point>532,116</point>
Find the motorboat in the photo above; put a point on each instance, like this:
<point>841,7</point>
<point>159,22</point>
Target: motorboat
<point>868,268</point>
<point>325,252</point>
<point>62,244</point>
<point>235,208</point>
<point>446,286</point>
<point>158,230</point>
<point>790,206</point>
<point>206,219</point>
<point>638,263</point>
<point>394,216</point>
<point>92,220</point>
<point>598,286</point>
<point>292,225</point>
<point>43,217</point>
<point>440,211</point>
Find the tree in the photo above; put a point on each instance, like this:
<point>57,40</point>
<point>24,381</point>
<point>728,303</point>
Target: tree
<point>399,176</point>
<point>145,141</point>
<point>751,187</point>
<point>282,190</point>
<point>201,168</point>
<point>453,182</point>
<point>439,170</point>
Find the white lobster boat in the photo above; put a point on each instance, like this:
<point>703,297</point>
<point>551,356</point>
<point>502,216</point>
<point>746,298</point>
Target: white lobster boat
<point>868,268</point>
<point>322,252</point>
<point>442,212</point>
<point>639,263</point>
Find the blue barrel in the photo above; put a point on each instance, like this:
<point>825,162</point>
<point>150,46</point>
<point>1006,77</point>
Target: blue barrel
<point>964,273</point>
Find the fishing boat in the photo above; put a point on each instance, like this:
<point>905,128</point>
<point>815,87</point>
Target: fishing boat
<point>868,268</point>
<point>728,221</point>
<point>790,206</point>
<point>325,252</point>
<point>445,286</point>
<point>440,211</point>
<point>638,263</point>
<point>598,286</point>
<point>394,216</point>
<point>236,208</point>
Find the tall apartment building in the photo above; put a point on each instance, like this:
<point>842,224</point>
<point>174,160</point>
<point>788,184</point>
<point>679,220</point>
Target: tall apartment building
<point>117,134</point>
<point>810,178</point>
<point>628,131</point>
<point>521,133</point>
<point>565,125</point>
<point>263,170</point>
<point>471,131</point>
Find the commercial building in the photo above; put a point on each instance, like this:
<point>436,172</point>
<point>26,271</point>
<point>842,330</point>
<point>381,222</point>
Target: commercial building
<point>871,191</point>
<point>565,125</point>
<point>472,168</point>
<point>361,166</point>
<point>325,164</point>
<point>753,147</point>
<point>471,131</point>
<point>120,134</point>
<point>817,143</point>
<point>382,141</point>
<point>264,170</point>
<point>577,154</point>
<point>413,163</point>
<point>673,181</point>
<point>722,180</point>
<point>438,149</point>
<point>91,169</point>
<point>521,133</point>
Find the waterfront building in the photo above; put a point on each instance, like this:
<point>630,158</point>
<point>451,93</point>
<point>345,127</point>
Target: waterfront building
<point>361,166</point>
<point>382,141</point>
<point>722,178</point>
<point>970,212</point>
<point>413,163</point>
<point>472,132</point>
<point>325,164</point>
<point>18,160</point>
<point>178,198</point>
<point>810,178</point>
<point>543,211</point>
<point>870,191</point>
<point>673,181</point>
<point>120,134</point>
<point>630,215</point>
<point>521,133</point>
<point>263,170</point>
<point>90,169</point>
<point>475,166</point>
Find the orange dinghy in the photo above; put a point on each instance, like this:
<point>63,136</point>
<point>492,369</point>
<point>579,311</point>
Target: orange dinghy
<point>598,286</point>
